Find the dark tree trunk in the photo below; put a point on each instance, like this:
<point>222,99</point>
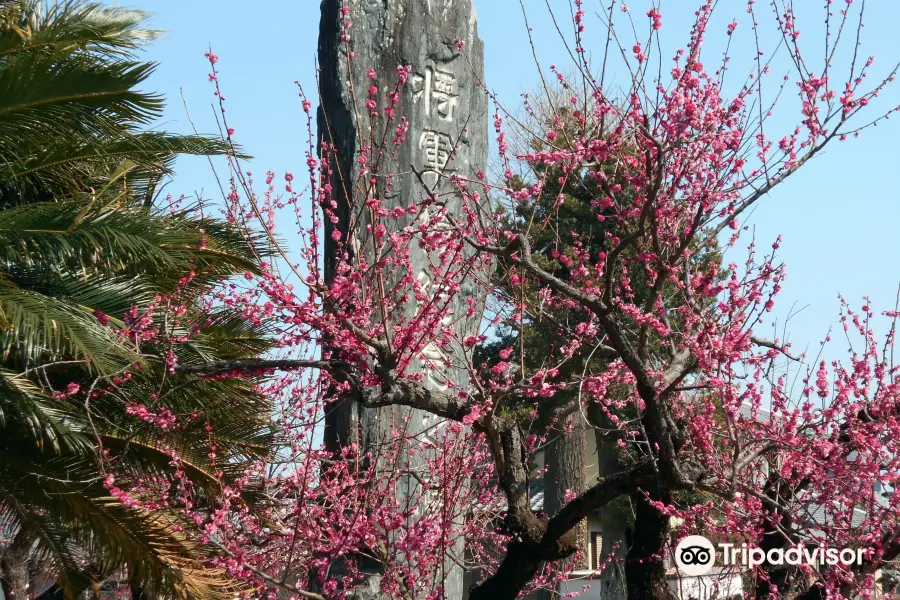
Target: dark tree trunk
<point>137,592</point>
<point>536,540</point>
<point>774,575</point>
<point>335,126</point>
<point>565,471</point>
<point>513,574</point>
<point>784,577</point>
<point>14,576</point>
<point>645,573</point>
<point>815,592</point>
<point>565,462</point>
<point>614,524</point>
<point>79,583</point>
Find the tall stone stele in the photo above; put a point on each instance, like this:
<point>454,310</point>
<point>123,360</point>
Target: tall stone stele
<point>445,106</point>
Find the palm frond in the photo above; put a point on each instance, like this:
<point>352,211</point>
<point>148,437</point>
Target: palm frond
<point>38,328</point>
<point>66,508</point>
<point>77,167</point>
<point>30,417</point>
<point>87,27</point>
<point>122,241</point>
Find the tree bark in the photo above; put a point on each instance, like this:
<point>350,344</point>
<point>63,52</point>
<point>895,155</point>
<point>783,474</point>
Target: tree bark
<point>513,574</point>
<point>613,527</point>
<point>79,583</point>
<point>645,572</point>
<point>137,591</point>
<point>777,576</point>
<point>565,473</point>
<point>536,541</point>
<point>783,577</point>
<point>14,577</point>
<point>565,461</point>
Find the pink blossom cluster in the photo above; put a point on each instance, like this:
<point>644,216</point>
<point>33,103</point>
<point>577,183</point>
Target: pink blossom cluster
<point>689,388</point>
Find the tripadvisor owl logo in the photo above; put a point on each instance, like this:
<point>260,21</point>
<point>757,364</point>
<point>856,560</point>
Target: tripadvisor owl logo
<point>695,555</point>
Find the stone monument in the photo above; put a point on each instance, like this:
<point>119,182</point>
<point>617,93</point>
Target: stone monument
<point>447,111</point>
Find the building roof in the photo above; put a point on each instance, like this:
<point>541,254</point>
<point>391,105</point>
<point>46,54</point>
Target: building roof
<point>762,414</point>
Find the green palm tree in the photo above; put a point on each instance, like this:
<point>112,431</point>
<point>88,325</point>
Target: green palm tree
<point>71,114</point>
<point>83,249</point>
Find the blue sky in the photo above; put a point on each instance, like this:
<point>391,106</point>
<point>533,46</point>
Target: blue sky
<point>840,215</point>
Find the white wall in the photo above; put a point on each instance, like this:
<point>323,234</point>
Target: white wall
<point>717,585</point>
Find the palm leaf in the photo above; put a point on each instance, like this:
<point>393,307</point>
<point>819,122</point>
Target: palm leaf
<point>67,26</point>
<point>77,167</point>
<point>31,417</point>
<point>37,328</point>
<point>64,505</point>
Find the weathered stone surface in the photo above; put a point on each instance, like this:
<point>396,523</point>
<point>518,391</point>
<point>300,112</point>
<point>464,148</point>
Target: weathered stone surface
<point>443,102</point>
<point>446,107</point>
